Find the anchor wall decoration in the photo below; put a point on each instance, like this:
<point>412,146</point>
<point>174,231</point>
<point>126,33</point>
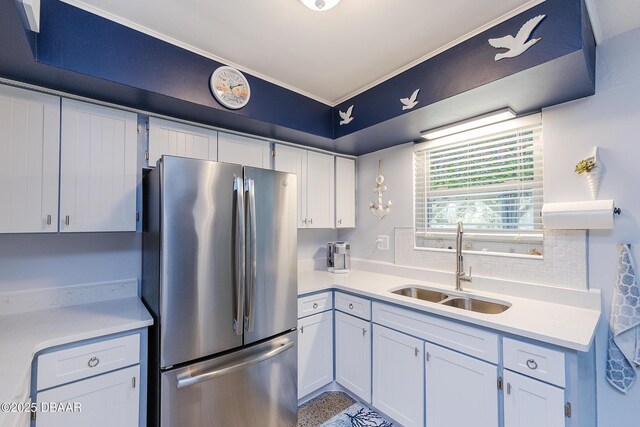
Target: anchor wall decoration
<point>379,209</point>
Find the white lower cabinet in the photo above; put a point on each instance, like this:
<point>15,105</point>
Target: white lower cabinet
<point>424,370</point>
<point>107,400</point>
<point>398,376</point>
<point>315,352</point>
<point>455,381</point>
<point>353,355</point>
<point>532,403</point>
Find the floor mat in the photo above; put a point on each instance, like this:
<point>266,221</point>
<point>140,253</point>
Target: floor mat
<point>323,408</point>
<point>357,415</point>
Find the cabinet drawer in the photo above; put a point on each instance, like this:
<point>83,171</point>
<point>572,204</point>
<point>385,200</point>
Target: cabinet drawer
<point>465,339</point>
<point>355,306</point>
<point>313,304</point>
<point>535,361</point>
<point>84,361</point>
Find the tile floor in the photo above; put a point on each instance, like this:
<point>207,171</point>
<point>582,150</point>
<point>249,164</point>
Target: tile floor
<point>322,408</point>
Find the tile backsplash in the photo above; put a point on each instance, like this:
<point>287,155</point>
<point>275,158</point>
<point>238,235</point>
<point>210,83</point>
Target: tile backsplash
<point>564,263</point>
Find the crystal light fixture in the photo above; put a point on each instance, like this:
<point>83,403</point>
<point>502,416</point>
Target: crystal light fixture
<point>320,5</point>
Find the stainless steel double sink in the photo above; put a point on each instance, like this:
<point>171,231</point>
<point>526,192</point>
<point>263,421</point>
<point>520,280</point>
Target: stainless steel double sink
<point>470,303</point>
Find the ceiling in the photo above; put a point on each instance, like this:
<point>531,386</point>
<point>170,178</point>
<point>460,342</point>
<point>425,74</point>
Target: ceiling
<point>333,55</point>
<point>328,56</point>
<point>613,17</point>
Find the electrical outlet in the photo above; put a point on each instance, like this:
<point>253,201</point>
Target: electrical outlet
<point>383,243</point>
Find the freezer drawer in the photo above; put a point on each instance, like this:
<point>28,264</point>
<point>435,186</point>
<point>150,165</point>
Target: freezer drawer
<point>255,386</point>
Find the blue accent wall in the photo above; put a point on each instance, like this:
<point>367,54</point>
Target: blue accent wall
<point>87,55</point>
<point>470,65</point>
<point>101,48</point>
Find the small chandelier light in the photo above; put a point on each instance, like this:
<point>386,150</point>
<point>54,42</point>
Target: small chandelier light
<point>320,5</point>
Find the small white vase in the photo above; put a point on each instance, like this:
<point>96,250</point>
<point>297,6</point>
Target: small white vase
<point>594,178</point>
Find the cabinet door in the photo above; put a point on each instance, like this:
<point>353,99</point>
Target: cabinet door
<point>398,376</point>
<point>98,168</point>
<point>315,352</point>
<point>294,160</point>
<point>107,400</point>
<point>353,355</point>
<point>345,193</point>
<point>531,403</point>
<point>244,151</point>
<point>181,140</point>
<point>454,378</point>
<point>320,190</point>
<point>29,159</point>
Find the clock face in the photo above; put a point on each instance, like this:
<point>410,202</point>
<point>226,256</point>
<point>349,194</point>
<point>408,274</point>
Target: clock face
<point>230,87</point>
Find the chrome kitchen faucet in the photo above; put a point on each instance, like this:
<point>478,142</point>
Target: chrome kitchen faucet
<point>460,274</point>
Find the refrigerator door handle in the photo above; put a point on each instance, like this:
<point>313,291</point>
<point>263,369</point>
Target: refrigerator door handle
<point>185,380</point>
<point>249,189</point>
<point>239,242</point>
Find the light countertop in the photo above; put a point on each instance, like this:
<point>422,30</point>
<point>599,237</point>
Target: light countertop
<point>567,326</point>
<point>22,335</point>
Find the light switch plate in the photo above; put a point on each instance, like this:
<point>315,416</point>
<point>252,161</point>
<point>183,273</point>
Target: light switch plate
<point>383,242</point>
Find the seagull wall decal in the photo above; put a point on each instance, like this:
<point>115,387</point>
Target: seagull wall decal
<point>410,102</point>
<point>346,117</point>
<point>517,45</point>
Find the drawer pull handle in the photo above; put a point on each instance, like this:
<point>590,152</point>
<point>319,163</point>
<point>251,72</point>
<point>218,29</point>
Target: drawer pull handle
<point>93,362</point>
<point>351,306</point>
<point>531,364</point>
<point>364,331</point>
<point>315,305</point>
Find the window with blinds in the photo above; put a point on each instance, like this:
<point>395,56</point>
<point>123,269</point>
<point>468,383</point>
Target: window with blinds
<point>490,179</point>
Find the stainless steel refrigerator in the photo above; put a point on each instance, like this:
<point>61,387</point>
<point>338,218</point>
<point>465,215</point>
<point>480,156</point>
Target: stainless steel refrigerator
<point>220,278</point>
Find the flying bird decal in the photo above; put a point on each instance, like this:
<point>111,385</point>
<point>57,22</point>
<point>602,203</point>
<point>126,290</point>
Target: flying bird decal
<point>346,117</point>
<point>411,102</point>
<point>517,45</point>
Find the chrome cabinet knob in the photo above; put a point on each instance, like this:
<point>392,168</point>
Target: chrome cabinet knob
<point>93,362</point>
<point>315,305</point>
<point>532,364</point>
<point>351,306</point>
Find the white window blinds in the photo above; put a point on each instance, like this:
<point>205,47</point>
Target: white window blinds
<point>490,179</point>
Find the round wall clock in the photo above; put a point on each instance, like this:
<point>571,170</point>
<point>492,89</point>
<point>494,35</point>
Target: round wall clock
<point>230,87</point>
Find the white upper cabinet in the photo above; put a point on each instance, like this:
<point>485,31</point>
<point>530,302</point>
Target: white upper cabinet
<point>345,193</point>
<point>98,168</point>
<point>454,379</point>
<point>294,160</point>
<point>320,190</point>
<point>353,355</point>
<point>244,151</point>
<point>29,158</point>
<point>177,139</point>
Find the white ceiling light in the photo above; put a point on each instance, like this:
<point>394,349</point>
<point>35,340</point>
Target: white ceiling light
<point>472,123</point>
<point>320,5</point>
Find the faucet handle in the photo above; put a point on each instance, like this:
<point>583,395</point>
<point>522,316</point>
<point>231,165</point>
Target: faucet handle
<point>466,277</point>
